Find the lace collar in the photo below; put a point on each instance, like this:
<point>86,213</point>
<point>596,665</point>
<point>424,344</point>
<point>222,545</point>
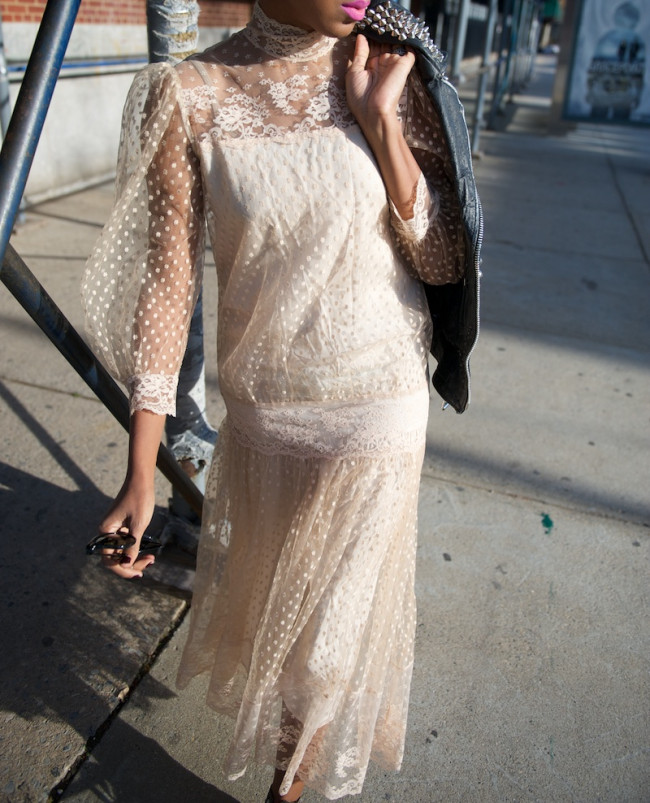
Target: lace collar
<point>284,41</point>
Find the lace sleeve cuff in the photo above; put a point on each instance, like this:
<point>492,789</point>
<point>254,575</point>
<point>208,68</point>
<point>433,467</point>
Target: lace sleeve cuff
<point>153,392</point>
<point>425,209</point>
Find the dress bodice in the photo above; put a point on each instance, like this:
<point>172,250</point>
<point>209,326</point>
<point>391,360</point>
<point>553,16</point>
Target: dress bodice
<point>318,295</point>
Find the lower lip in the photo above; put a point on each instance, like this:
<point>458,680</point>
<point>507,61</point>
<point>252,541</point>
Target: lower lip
<point>356,14</point>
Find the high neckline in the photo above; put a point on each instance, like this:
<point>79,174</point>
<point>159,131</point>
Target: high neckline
<point>286,41</point>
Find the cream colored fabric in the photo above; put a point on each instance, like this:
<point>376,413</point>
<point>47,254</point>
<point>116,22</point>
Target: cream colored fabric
<point>303,612</point>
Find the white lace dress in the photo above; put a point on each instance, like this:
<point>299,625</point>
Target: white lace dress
<point>303,612</point>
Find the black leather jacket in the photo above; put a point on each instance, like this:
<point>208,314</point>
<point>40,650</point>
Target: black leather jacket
<point>454,307</point>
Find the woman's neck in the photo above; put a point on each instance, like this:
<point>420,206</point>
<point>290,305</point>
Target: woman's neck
<point>285,12</point>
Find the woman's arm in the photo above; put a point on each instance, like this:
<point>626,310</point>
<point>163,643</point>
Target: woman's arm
<point>375,81</point>
<point>141,284</point>
<point>425,215</point>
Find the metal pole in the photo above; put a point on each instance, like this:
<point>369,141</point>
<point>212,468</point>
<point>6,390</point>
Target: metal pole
<point>532,38</point>
<point>5,105</point>
<point>460,35</point>
<point>16,159</point>
<point>440,24</point>
<point>37,303</point>
<point>5,101</point>
<point>485,68</point>
<point>31,107</point>
<point>513,52</point>
<point>522,50</point>
<point>172,31</point>
<point>497,92</point>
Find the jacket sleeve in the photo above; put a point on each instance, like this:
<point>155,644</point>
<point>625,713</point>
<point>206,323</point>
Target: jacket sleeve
<point>431,242</point>
<point>142,279</point>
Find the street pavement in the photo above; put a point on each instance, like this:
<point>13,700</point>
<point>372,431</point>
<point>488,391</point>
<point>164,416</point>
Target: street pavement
<point>531,677</point>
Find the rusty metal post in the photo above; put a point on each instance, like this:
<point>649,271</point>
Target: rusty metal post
<point>172,30</point>
<point>5,100</point>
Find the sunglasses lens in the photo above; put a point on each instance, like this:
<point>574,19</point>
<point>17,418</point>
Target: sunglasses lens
<point>115,541</point>
<point>148,544</point>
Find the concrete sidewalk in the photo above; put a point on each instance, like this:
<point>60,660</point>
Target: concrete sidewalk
<point>531,678</point>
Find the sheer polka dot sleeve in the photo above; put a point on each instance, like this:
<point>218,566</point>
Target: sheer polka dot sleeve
<point>142,278</point>
<point>431,241</point>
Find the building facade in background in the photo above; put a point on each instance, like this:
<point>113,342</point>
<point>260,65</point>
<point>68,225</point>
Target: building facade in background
<point>108,45</point>
<point>79,143</point>
<point>214,13</point>
<point>609,78</point>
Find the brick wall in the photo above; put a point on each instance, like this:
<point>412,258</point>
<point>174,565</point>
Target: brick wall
<point>108,12</point>
<point>224,13</point>
<point>214,13</point>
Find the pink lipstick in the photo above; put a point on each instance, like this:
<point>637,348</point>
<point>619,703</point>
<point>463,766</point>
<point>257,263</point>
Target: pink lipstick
<point>356,9</point>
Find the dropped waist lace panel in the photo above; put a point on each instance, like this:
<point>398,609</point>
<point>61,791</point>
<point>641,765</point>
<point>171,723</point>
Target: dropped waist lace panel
<point>360,429</point>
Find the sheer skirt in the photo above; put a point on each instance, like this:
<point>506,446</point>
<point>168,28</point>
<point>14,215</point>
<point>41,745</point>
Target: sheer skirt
<point>304,609</point>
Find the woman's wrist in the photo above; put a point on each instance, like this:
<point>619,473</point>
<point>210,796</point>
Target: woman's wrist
<point>140,478</point>
<point>398,167</point>
<point>382,129</point>
<point>145,434</point>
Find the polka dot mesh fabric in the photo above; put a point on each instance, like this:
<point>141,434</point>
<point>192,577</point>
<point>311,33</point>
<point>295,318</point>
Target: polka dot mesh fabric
<point>303,611</point>
<point>142,279</point>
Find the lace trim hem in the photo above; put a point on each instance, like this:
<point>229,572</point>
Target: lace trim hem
<point>383,426</point>
<point>425,210</point>
<point>153,392</point>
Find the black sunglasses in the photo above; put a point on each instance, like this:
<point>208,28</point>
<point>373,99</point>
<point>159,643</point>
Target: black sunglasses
<point>119,542</point>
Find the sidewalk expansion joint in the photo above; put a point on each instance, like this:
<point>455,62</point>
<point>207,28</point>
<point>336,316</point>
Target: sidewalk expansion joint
<point>124,698</point>
<point>72,393</point>
<point>628,211</point>
<point>559,505</point>
<point>541,249</point>
<point>76,221</point>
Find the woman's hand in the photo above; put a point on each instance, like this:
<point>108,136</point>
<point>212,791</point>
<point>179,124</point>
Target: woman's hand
<point>130,514</point>
<point>133,508</point>
<point>374,83</point>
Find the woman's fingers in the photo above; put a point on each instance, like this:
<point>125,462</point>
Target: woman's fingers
<point>126,562</point>
<point>365,51</point>
<point>131,569</point>
<point>400,63</point>
<point>361,52</point>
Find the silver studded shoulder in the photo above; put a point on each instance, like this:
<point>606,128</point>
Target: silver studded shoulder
<point>390,22</point>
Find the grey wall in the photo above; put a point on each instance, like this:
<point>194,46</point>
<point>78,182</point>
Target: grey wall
<point>80,138</point>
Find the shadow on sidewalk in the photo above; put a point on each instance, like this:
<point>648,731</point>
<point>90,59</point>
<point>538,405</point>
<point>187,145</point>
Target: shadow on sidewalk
<point>144,772</point>
<point>74,639</point>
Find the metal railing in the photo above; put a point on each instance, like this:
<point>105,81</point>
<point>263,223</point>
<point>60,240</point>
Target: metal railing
<point>516,52</point>
<point>16,157</point>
